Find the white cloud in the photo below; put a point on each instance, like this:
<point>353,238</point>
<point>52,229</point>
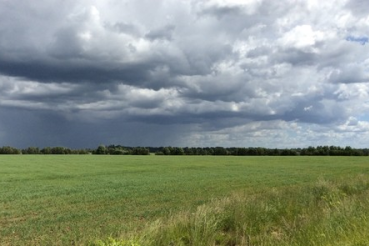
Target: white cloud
<point>301,36</point>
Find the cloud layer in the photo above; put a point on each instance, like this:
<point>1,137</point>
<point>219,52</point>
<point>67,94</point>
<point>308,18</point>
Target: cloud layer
<point>188,73</point>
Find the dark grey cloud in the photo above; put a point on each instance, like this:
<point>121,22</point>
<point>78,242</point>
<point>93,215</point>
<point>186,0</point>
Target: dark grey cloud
<point>183,73</point>
<point>76,70</point>
<point>222,11</point>
<point>124,28</point>
<point>297,57</point>
<point>164,33</point>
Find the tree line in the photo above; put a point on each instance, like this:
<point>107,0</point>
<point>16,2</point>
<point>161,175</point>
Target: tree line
<point>101,150</point>
<point>235,151</point>
<point>260,151</point>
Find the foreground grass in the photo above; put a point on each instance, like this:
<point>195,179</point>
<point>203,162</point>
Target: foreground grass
<point>73,200</point>
<point>326,213</point>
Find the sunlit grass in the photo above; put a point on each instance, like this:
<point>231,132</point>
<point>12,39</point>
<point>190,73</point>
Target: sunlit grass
<point>66,200</point>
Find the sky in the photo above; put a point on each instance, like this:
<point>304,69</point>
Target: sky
<point>242,73</point>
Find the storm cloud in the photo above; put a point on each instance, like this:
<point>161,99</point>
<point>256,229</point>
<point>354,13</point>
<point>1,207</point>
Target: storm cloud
<point>184,73</point>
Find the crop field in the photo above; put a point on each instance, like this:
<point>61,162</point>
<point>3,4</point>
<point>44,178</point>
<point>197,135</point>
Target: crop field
<point>97,200</point>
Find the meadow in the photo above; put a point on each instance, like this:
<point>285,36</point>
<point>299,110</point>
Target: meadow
<point>183,200</point>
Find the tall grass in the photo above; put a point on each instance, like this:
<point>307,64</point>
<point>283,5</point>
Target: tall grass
<point>324,213</point>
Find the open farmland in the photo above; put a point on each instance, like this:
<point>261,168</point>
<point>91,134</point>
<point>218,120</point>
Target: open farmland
<point>66,200</point>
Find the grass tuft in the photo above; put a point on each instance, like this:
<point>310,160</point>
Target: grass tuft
<point>324,213</point>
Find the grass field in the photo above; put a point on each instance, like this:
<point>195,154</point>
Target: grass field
<point>74,200</point>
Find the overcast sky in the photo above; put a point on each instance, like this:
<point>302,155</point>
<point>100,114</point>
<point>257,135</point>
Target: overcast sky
<point>290,73</point>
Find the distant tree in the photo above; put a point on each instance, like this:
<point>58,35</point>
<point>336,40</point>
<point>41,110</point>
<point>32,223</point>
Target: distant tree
<point>46,151</point>
<point>115,150</point>
<point>60,151</point>
<point>188,151</point>
<point>140,151</point>
<point>7,150</point>
<point>208,151</point>
<point>275,152</point>
<point>101,150</point>
<point>31,151</point>
<point>241,151</point>
<point>252,151</point>
<point>220,151</point>
<point>348,151</point>
<point>177,151</point>
<point>365,152</point>
<point>260,151</point>
<point>166,151</point>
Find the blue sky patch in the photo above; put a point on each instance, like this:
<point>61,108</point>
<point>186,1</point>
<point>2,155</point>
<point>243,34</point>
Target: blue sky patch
<point>361,40</point>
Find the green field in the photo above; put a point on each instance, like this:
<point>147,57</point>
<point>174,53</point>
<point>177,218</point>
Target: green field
<point>74,200</point>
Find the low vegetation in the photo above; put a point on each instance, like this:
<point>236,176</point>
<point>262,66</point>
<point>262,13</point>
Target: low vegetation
<point>172,200</point>
<point>325,213</point>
